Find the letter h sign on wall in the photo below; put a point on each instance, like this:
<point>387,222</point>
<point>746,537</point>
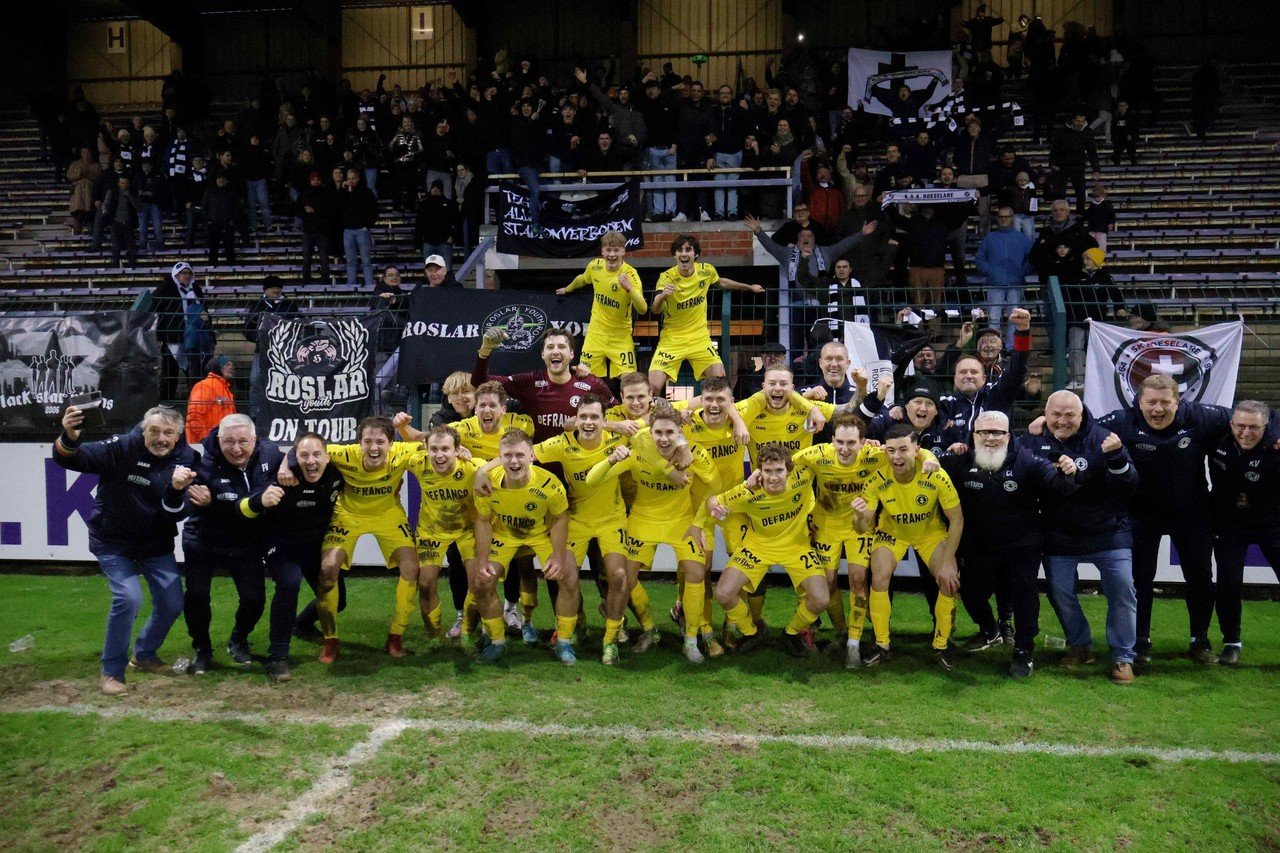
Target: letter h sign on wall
<point>117,37</point>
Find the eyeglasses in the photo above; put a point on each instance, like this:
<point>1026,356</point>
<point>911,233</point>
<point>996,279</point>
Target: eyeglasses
<point>1249,427</point>
<point>990,433</point>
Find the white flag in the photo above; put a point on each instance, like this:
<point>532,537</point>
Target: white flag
<point>875,75</point>
<point>1204,363</point>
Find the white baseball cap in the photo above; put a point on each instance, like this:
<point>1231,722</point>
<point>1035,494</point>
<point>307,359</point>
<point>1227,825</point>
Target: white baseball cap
<point>437,260</point>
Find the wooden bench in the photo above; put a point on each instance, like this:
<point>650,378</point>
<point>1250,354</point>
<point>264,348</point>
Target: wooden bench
<point>737,328</point>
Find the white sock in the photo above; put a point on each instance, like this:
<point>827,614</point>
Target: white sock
<point>853,644</point>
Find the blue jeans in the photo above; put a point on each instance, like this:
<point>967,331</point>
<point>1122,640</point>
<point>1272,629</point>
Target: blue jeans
<point>371,180</point>
<point>1116,569</point>
<point>1026,223</point>
<point>259,197</point>
<point>357,240</point>
<point>529,175</point>
<point>663,202</point>
<point>150,219</point>
<point>498,161</point>
<point>727,200</point>
<point>998,298</point>
<point>122,573</point>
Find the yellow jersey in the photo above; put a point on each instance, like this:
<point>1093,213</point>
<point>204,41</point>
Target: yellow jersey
<point>785,427</point>
<point>448,502</point>
<point>837,485</point>
<point>685,311</point>
<point>720,445</point>
<point>373,492</point>
<point>910,511</point>
<point>657,498</point>
<point>777,523</point>
<point>611,306</point>
<point>521,514</point>
<point>485,444</point>
<point>586,503</point>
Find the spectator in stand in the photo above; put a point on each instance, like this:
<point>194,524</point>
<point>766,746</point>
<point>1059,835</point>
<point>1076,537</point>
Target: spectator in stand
<point>629,130</point>
<point>120,213</point>
<point>956,218</point>
<point>971,154</point>
<point>789,232</point>
<point>191,194</point>
<point>357,212</point>
<point>1004,258</point>
<point>211,399</point>
<point>526,152</point>
<point>1062,229</point>
<point>826,201</point>
<point>366,152</point>
<point>127,150</point>
<point>661,112</point>
<point>566,139</point>
<point>438,156</point>
<point>860,212</point>
<point>1022,200</point>
<point>404,151</point>
<point>1014,55</point>
<point>855,179</point>
<point>1004,171</point>
<point>290,139</point>
<point>1125,127</point>
<point>434,224</point>
<point>177,156</point>
<point>926,256</point>
<point>890,172</point>
<point>225,139</point>
<point>105,183</point>
<point>1091,295</point>
<point>693,151</point>
<point>728,128</point>
<point>1100,215</point>
<point>153,196</point>
<point>318,203</point>
<point>922,156</point>
<point>82,175</point>
<point>183,329</point>
<point>255,165</point>
<point>1074,148</point>
<point>468,192</point>
<point>603,156</point>
<point>221,212</point>
<point>870,261</point>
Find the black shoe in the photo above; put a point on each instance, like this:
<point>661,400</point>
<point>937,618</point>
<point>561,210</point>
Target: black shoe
<point>1006,633</point>
<point>877,656</point>
<point>1230,656</point>
<point>794,645</point>
<point>239,652</point>
<point>201,662</point>
<point>1022,665</point>
<point>980,642</point>
<point>1142,653</point>
<point>943,657</point>
<point>1201,652</point>
<point>278,670</point>
<point>747,643</point>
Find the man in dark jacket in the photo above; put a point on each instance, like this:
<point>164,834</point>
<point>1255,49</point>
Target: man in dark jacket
<point>255,165</point>
<point>218,535</point>
<point>141,480</point>
<point>1090,525</point>
<point>434,223</point>
<point>221,211</point>
<point>1074,148</point>
<point>693,151</point>
<point>974,392</point>
<point>357,212</point>
<point>318,203</point>
<point>661,111</point>
<point>272,301</point>
<point>182,328</point>
<point>120,209</point>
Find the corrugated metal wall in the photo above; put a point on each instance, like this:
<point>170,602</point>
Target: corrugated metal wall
<point>379,39</point>
<point>270,43</point>
<point>732,33</point>
<point>132,77</point>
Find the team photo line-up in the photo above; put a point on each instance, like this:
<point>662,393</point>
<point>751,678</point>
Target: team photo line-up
<point>598,468</point>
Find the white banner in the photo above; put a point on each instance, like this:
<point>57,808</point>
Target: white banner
<point>1204,363</point>
<point>929,195</point>
<point>875,75</point>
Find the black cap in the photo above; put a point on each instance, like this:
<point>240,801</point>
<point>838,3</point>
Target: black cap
<point>990,330</point>
<point>773,348</point>
<point>923,389</point>
<point>271,281</point>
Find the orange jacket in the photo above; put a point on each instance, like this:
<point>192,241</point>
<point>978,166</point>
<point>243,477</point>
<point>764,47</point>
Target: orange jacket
<point>826,204</point>
<point>211,400</point>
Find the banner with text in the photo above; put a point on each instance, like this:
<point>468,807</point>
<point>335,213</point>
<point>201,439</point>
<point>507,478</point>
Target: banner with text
<point>875,77</point>
<point>444,329</point>
<point>47,361</point>
<point>571,229</point>
<point>314,375</point>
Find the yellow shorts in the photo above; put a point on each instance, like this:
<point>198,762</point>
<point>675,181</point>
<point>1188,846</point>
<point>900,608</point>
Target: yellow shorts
<point>755,565</point>
<point>733,529</point>
<point>831,542</point>
<point>668,356</point>
<point>392,532</point>
<point>433,545</point>
<point>503,550</point>
<point>610,533</point>
<point>924,548</point>
<point>609,359</point>
<point>644,536</point>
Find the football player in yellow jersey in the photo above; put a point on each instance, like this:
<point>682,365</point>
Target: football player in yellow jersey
<point>682,302</point>
<point>668,509</point>
<point>609,349</point>
<point>911,504</point>
<point>777,501</point>
<point>526,508</point>
<point>369,503</point>
<point>446,516</point>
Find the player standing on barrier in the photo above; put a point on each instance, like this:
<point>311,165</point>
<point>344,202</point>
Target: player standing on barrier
<point>609,349</point>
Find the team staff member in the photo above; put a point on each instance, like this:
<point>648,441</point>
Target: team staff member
<point>921,411</point>
<point>609,349</point>
<point>912,503</point>
<point>142,477</point>
<point>681,302</point>
<point>1090,525</point>
<point>839,386</point>
<point>1245,509</point>
<point>296,519</point>
<point>217,535</point>
<point>974,393</point>
<point>1168,441</point>
<point>1000,486</point>
<point>526,508</point>
<point>776,503</point>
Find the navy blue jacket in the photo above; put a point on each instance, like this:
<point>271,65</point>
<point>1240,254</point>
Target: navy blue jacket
<point>1093,518</point>
<point>221,527</point>
<point>936,438</point>
<point>1002,507</point>
<point>1170,461</point>
<point>1246,483</point>
<point>996,396</point>
<point>302,516</point>
<point>135,509</point>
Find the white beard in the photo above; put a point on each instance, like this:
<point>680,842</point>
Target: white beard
<point>989,460</point>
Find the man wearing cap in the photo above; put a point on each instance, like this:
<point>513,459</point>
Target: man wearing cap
<point>211,399</point>
<point>182,328</point>
<point>1004,258</point>
<point>438,275</point>
<point>921,409</point>
<point>1090,298</point>
<point>272,301</point>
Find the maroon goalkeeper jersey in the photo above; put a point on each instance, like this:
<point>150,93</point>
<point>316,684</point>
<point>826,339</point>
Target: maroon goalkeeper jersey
<point>550,404</point>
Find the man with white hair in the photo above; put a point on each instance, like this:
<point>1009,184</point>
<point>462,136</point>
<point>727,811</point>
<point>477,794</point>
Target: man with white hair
<point>218,535</point>
<point>999,485</point>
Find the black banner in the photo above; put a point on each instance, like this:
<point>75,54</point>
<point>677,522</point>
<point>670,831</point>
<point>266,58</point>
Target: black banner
<point>571,229</point>
<point>45,361</point>
<point>314,375</point>
<point>444,329</point>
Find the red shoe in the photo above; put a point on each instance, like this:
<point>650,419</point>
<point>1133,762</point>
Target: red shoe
<point>395,645</point>
<point>329,653</point>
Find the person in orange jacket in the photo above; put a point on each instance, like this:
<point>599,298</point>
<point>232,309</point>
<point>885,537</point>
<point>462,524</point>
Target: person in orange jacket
<point>211,399</point>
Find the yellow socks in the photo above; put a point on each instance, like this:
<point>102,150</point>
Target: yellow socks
<point>857,615</point>
<point>801,619</point>
<point>327,613</point>
<point>406,599</point>
<point>565,626</point>
<point>880,609</point>
<point>740,615</point>
<point>497,629</point>
<point>835,609</point>
<point>611,628</point>
<point>694,595</point>
<point>470,614</point>
<point>528,604</point>
<point>640,607</point>
<point>944,614</point>
<point>433,621</point>
<point>755,601</point>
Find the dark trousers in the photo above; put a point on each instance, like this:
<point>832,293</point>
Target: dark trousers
<point>1011,574</point>
<point>1229,547</point>
<point>124,237</point>
<point>1124,146</point>
<point>313,244</point>
<point>1077,181</point>
<point>222,235</point>
<point>246,571</point>
<point>286,571</point>
<point>311,574</point>
<point>1194,542</point>
<point>955,248</point>
<point>458,578</point>
<point>404,182</point>
<point>170,370</point>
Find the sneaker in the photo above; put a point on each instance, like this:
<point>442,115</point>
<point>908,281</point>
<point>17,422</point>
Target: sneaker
<point>511,615</point>
<point>329,653</point>
<point>712,645</point>
<point>691,652</point>
<point>1006,633</point>
<point>679,217</point>
<point>1201,652</point>
<point>278,670</point>
<point>943,657</point>
<point>565,653</point>
<point>1230,655</point>
<point>610,655</point>
<point>644,642</point>
<point>152,665</point>
<point>1122,673</point>
<point>704,217</point>
<point>112,686</point>
<point>794,645</point>
<point>1022,665</point>
<point>456,631</point>
<point>201,662</point>
<point>529,634</point>
<point>746,643</point>
<point>1142,653</point>
<point>717,217</point>
<point>1078,656</point>
<point>491,652</point>
<point>677,614</point>
<point>395,645</point>
<point>623,636</point>
<point>982,642</point>
<point>1075,385</point>
<point>879,654</point>
<point>806,637</point>
<point>239,652</point>
<point>852,657</point>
